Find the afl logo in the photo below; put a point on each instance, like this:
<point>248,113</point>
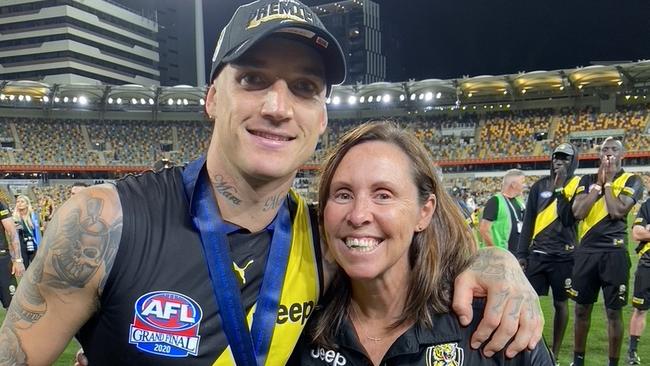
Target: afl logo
<point>166,323</point>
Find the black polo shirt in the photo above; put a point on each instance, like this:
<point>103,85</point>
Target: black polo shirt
<point>446,343</point>
<point>4,213</point>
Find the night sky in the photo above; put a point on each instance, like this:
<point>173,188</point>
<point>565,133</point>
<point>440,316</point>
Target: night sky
<point>451,38</point>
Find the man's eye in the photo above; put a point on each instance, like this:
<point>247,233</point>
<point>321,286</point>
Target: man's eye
<point>253,81</point>
<point>306,88</point>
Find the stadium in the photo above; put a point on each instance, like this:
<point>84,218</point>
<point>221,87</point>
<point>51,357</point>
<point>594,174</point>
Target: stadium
<point>56,133</point>
<point>476,128</point>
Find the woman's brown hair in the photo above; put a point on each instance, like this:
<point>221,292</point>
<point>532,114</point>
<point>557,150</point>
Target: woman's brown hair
<point>437,254</point>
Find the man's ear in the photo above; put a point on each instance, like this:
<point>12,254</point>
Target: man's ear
<point>210,105</point>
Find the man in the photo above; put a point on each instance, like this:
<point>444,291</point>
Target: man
<point>601,260</point>
<point>457,194</point>
<point>548,236</point>
<point>641,297</point>
<point>503,215</point>
<point>11,260</point>
<point>168,267</point>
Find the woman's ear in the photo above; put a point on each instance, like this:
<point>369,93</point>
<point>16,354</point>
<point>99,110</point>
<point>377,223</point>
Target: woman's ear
<point>426,212</point>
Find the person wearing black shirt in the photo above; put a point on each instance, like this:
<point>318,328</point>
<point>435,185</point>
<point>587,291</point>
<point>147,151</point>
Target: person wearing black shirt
<point>548,236</point>
<point>641,297</point>
<point>503,215</point>
<point>601,260</point>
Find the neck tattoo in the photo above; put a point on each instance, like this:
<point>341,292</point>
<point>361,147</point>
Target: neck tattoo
<point>226,189</point>
<point>272,203</point>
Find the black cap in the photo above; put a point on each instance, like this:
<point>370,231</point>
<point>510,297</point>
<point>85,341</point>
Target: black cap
<point>252,22</point>
<point>564,148</point>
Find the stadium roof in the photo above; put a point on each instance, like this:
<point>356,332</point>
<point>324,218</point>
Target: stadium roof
<point>625,79</point>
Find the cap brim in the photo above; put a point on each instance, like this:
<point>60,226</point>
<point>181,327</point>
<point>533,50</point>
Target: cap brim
<point>333,58</point>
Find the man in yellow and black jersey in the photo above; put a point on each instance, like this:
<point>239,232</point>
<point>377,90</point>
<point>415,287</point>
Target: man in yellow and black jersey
<point>548,235</point>
<point>641,297</point>
<point>602,204</point>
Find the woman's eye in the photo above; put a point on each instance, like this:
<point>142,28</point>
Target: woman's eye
<point>342,196</point>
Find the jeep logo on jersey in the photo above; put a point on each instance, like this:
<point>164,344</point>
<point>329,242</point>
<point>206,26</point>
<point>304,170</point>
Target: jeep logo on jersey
<point>166,323</point>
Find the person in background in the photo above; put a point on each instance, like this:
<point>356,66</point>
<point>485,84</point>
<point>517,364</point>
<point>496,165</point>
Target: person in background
<point>11,259</point>
<point>548,236</point>
<point>29,228</point>
<point>641,297</point>
<point>601,260</point>
<point>503,216</point>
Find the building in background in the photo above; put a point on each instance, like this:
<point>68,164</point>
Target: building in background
<point>180,39</point>
<point>77,41</point>
<point>355,24</point>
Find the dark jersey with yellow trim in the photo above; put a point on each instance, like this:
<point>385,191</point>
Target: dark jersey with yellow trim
<point>4,213</point>
<point>598,231</point>
<point>158,306</point>
<point>643,219</point>
<point>446,343</point>
<point>549,225</point>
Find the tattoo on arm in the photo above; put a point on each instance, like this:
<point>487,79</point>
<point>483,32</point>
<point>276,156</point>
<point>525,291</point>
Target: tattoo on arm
<point>11,351</point>
<point>78,244</point>
<point>494,267</point>
<point>226,189</point>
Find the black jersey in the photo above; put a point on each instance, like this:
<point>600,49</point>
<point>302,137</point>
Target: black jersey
<point>158,306</point>
<point>446,343</point>
<point>4,213</point>
<point>643,219</point>
<point>598,231</point>
<point>549,226</point>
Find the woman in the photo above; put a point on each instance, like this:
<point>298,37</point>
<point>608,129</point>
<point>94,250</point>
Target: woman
<point>400,241</point>
<point>28,226</point>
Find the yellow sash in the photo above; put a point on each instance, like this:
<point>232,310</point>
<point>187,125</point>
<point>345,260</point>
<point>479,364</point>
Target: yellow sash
<point>599,209</point>
<point>300,292</point>
<point>549,214</point>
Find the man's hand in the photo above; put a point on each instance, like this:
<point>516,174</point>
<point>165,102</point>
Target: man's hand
<point>523,263</point>
<point>560,177</point>
<point>80,358</point>
<point>17,269</point>
<point>512,308</point>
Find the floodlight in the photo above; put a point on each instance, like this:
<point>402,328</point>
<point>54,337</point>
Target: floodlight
<point>352,100</point>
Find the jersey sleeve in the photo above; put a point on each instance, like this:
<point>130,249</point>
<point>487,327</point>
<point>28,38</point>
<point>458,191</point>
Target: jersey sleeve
<point>4,211</point>
<point>643,215</point>
<point>490,211</point>
<point>633,188</point>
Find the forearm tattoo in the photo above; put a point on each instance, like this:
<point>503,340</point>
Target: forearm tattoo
<point>11,350</point>
<point>495,266</point>
<point>77,245</point>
